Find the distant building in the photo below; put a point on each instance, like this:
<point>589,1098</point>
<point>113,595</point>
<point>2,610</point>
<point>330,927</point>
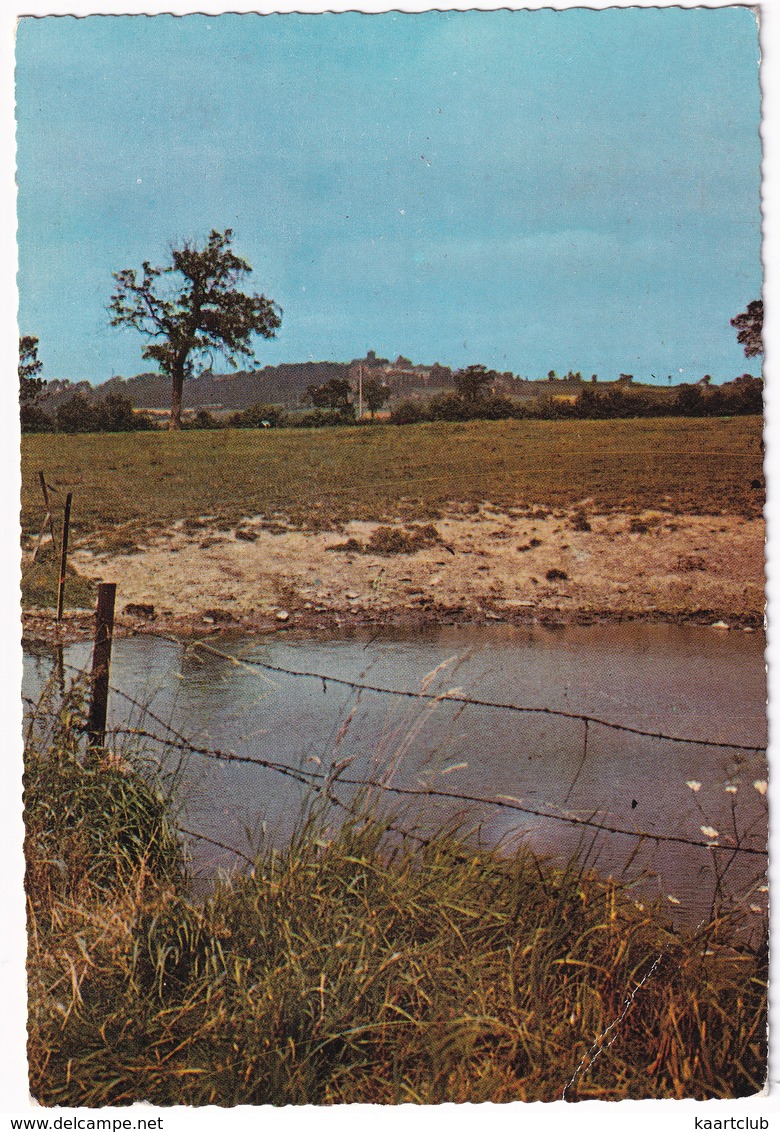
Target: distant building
<point>402,376</point>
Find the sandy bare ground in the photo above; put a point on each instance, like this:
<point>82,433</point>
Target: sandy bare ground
<point>564,566</point>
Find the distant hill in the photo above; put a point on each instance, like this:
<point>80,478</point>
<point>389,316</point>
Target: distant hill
<point>286,384</point>
<point>274,385</point>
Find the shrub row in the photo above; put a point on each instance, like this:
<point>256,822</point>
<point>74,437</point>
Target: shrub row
<point>114,412</point>
<point>743,397</point>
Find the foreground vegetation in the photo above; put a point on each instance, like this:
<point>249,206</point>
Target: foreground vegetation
<point>353,966</point>
<point>40,584</point>
<point>322,478</point>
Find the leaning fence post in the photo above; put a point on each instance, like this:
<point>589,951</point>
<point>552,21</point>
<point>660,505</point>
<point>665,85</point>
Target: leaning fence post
<point>49,517</point>
<point>101,662</point>
<point>63,556</point>
<point>48,521</point>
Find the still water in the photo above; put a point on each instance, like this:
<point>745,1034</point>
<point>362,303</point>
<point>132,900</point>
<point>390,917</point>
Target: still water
<point>691,683</point>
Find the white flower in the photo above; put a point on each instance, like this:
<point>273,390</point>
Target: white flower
<point>709,831</point>
<point>755,908</point>
<point>731,789</point>
<point>673,900</point>
<point>693,785</point>
<point>760,785</point>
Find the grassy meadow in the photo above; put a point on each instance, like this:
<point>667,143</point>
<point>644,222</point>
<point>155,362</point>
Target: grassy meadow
<point>353,966</point>
<point>323,477</point>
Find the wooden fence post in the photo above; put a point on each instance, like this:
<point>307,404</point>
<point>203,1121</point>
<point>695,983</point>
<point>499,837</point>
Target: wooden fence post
<point>48,521</point>
<point>64,556</point>
<point>101,663</point>
<point>59,665</point>
<point>49,517</point>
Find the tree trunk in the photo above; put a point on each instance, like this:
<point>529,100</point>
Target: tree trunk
<point>177,388</point>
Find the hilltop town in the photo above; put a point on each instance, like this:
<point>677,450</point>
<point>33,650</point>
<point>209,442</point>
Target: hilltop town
<point>285,385</point>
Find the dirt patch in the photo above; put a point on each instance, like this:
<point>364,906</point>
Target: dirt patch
<point>704,568</point>
<point>140,609</point>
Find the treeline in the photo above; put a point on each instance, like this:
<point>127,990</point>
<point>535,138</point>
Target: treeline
<point>114,412</point>
<point>742,397</point>
<point>273,416</point>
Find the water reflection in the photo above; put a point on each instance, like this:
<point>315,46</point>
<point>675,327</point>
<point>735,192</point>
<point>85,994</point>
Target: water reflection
<point>694,683</point>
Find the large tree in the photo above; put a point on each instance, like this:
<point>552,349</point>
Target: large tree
<point>193,308</point>
<point>31,387</point>
<point>750,327</point>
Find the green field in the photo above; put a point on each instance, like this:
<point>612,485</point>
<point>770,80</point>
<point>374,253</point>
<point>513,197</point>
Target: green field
<point>327,476</point>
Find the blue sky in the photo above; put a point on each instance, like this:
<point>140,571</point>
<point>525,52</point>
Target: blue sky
<point>528,190</point>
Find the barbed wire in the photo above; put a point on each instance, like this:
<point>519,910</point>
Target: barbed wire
<point>458,697</point>
<point>322,780</point>
<point>325,782</point>
<point>218,844</point>
<point>451,696</point>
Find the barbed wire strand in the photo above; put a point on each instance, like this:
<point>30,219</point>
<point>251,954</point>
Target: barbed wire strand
<point>441,697</point>
<point>459,698</point>
<point>218,844</point>
<point>505,802</point>
<point>317,778</point>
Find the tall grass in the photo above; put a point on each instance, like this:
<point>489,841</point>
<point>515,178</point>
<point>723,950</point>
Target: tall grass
<point>355,965</point>
<point>40,583</point>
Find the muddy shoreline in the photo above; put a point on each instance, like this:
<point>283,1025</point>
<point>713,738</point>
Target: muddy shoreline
<point>541,567</point>
<point>41,625</point>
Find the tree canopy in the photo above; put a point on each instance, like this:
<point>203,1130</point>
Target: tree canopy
<point>376,394</point>
<point>334,394</point>
<point>192,308</point>
<point>470,382</point>
<point>30,366</point>
<point>750,327</point>
<point>31,386</point>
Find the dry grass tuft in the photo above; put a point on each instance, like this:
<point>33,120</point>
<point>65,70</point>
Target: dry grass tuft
<point>393,540</point>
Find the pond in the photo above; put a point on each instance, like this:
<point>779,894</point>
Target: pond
<point>546,777</point>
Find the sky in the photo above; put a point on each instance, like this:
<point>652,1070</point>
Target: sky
<point>529,190</point>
